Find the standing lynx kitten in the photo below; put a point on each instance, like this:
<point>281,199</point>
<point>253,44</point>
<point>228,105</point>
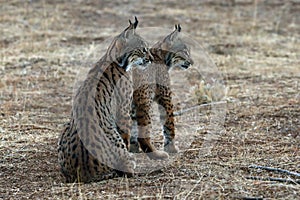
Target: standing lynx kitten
<point>153,84</point>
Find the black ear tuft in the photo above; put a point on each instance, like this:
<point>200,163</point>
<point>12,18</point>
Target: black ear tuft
<point>135,23</point>
<point>178,27</point>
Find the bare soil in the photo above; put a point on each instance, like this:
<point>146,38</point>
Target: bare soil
<point>255,45</point>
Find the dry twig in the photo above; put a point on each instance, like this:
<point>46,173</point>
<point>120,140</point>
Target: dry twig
<point>185,110</point>
<point>275,170</point>
<point>282,180</point>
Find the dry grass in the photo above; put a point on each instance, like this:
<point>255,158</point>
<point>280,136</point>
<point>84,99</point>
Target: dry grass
<point>255,46</point>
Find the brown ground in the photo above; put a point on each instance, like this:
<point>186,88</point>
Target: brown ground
<point>255,46</point>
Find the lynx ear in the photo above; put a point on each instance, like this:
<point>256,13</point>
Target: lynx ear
<point>169,40</point>
<point>131,28</point>
<point>175,33</point>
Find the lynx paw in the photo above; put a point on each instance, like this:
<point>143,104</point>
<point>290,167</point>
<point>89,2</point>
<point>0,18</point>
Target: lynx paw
<point>171,148</point>
<point>158,155</point>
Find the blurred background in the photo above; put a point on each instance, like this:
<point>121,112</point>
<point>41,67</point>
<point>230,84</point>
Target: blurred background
<point>254,44</point>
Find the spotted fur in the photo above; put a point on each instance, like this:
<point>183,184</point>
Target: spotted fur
<point>94,144</point>
<point>153,84</point>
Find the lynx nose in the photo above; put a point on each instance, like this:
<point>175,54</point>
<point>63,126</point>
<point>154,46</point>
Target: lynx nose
<point>187,63</point>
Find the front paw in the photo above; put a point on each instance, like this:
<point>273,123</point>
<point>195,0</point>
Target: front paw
<point>171,148</point>
<point>158,155</point>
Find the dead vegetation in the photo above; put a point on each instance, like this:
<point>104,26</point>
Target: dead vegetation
<point>255,45</point>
